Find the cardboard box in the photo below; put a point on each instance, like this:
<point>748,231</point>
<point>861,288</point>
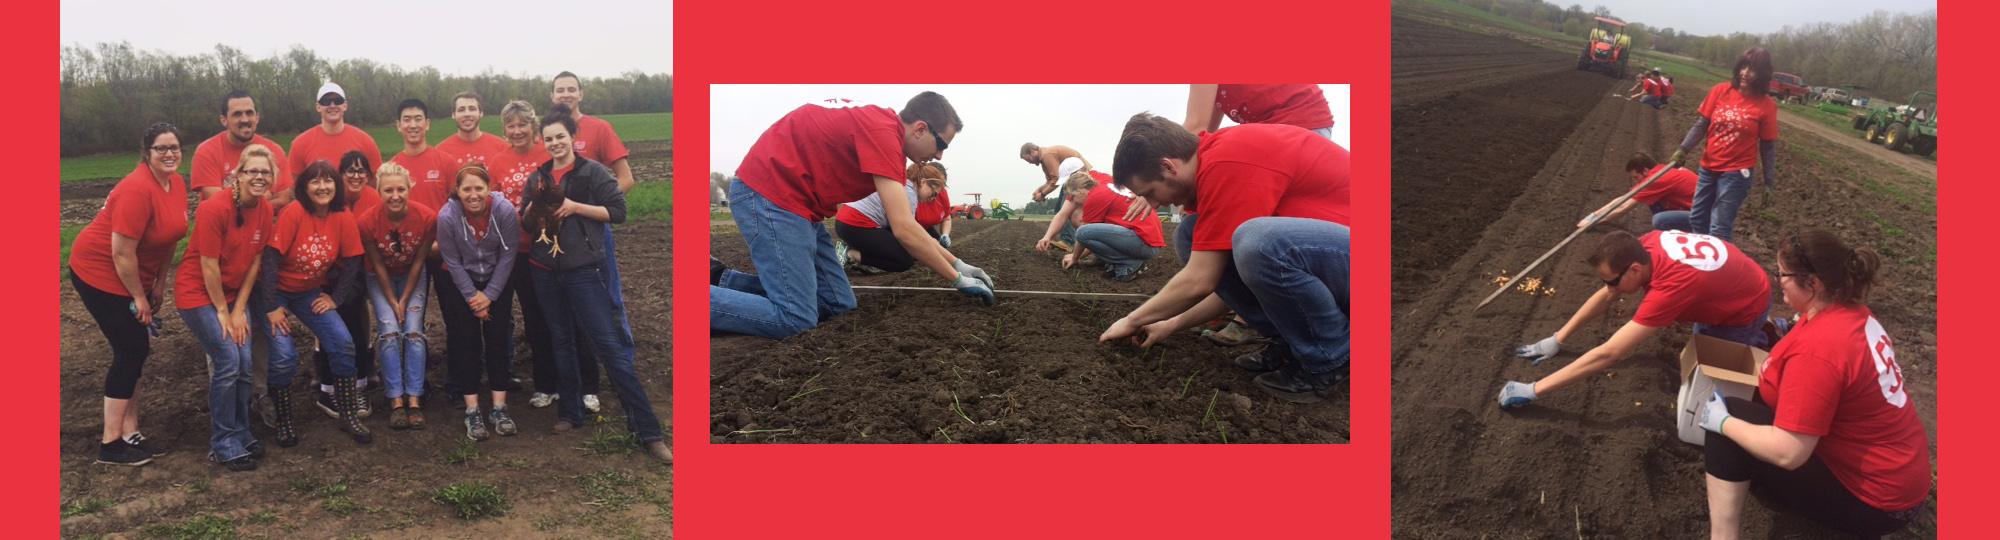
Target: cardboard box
<point>1709,363</point>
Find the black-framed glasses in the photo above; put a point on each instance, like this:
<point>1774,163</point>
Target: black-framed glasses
<point>1613,282</point>
<point>332,101</point>
<point>163,149</point>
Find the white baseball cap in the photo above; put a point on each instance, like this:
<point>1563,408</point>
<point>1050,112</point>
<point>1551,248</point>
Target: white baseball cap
<point>1069,166</point>
<point>330,88</point>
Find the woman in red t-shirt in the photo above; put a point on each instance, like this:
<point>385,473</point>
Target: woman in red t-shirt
<point>357,174</point>
<point>1739,123</point>
<point>212,292</point>
<point>935,214</point>
<point>1123,246</point>
<point>357,180</point>
<point>867,245</point>
<point>397,237</point>
<point>315,262</point>
<point>115,266</point>
<point>1832,434</point>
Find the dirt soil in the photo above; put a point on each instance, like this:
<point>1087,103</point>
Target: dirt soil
<point>590,483</point>
<point>1498,169</point>
<point>910,367</point>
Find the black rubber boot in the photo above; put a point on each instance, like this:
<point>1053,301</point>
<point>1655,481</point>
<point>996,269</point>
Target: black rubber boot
<point>350,402</point>
<point>281,409</point>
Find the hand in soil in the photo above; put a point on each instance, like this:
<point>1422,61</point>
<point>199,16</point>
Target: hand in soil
<point>1157,332</point>
<point>965,270</point>
<point>1042,245</point>
<point>1541,350</point>
<point>975,288</point>
<point>1121,329</point>
<point>1516,394</point>
<point>1068,261</point>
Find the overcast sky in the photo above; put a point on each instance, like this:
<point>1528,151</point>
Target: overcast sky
<point>998,118</point>
<point>611,36</point>
<point>1718,17</point>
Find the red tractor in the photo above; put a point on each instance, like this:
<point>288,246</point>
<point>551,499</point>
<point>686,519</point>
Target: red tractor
<point>972,210</point>
<point>1608,49</point>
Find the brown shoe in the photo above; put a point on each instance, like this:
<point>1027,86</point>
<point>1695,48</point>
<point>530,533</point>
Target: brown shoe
<point>563,426</point>
<point>399,418</point>
<point>659,451</point>
<point>414,414</point>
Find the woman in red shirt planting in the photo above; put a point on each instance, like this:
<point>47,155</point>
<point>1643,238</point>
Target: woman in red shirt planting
<point>212,292</point>
<point>1124,246</point>
<point>115,266</point>
<point>316,254</point>
<point>1739,122</point>
<point>1832,434</point>
<point>866,243</point>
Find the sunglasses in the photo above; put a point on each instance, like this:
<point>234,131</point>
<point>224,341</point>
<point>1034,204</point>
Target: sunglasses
<point>941,145</point>
<point>333,101</point>
<point>1613,282</point>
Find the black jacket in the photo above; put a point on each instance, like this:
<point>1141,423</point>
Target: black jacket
<point>587,182</point>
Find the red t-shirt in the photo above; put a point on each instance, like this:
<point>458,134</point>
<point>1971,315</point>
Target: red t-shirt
<point>1301,105</point>
<point>1699,278</point>
<point>316,144</point>
<point>1737,122</point>
<point>234,246</point>
<point>311,244</point>
<point>1103,205</point>
<point>397,241</point>
<point>854,218</point>
<point>824,154</point>
<point>1259,170</point>
<point>1836,377</point>
<point>217,157</point>
<point>483,151</point>
<point>138,209</point>
<point>367,199</point>
<point>934,212</point>
<point>1666,87</point>
<point>432,175</point>
<point>596,140</point>
<point>511,170</point>
<point>1673,191</point>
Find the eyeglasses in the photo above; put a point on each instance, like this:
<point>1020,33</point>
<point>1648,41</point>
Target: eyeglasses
<point>333,101</point>
<point>1613,282</point>
<point>167,149</point>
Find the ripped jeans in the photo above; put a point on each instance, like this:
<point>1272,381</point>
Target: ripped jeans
<point>401,347</point>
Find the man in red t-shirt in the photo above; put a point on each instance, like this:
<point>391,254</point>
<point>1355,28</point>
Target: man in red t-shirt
<point>215,160</point>
<point>470,144</point>
<point>1266,236</point>
<point>1687,277</point>
<point>329,140</point>
<point>594,139</point>
<point>817,157</point>
<point>432,170</point>
<point>1670,197</point>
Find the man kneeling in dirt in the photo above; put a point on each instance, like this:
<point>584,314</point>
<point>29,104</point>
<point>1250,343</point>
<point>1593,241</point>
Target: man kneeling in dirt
<point>809,162</point>
<point>1266,235</point>
<point>1687,277</point>
<point>1670,197</point>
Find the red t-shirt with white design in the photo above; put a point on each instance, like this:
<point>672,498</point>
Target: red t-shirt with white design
<point>1106,205</point>
<point>824,154</point>
<point>1835,376</point>
<point>311,244</point>
<point>433,173</point>
<point>1259,170</point>
<point>215,161</point>
<point>1699,278</point>
<point>1302,105</point>
<point>315,144</point>
<point>935,211</point>
<point>482,151</point>
<point>362,201</point>
<point>140,209</point>
<point>596,140</point>
<point>511,169</point>
<point>1673,191</point>
<point>397,241</point>
<point>1737,122</point>
<point>233,245</point>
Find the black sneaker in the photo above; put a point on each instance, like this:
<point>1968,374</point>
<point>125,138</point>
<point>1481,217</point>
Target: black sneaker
<point>326,404</point>
<point>119,452</point>
<point>138,440</point>
<point>245,463</point>
<point>475,426</point>
<point>256,450</point>
<point>715,269</point>
<point>502,423</point>
<point>1127,275</point>
<point>1297,386</point>
<point>1274,356</point>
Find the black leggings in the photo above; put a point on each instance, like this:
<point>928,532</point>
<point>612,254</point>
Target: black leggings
<point>472,344</point>
<point>535,328</point>
<point>1811,490</point>
<point>359,326</point>
<point>878,247</point>
<point>129,343</point>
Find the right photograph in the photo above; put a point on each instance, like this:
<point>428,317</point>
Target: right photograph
<point>1663,272</point>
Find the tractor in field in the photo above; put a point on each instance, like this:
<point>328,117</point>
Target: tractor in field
<point>1001,211</point>
<point>1911,126</point>
<point>1608,50</point>
<point>971,210</point>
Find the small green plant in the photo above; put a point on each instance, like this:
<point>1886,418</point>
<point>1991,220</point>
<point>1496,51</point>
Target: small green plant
<point>472,500</point>
<point>609,441</point>
<point>946,434</point>
<point>1211,407</point>
<point>199,486</point>
<point>610,489</point>
<point>461,454</point>
<point>340,505</point>
<point>82,506</point>
<point>1185,385</point>
<point>806,388</point>
<point>204,526</point>
<point>960,409</point>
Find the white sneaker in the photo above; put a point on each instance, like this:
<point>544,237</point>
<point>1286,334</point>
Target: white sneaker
<point>590,403</point>
<point>541,400</point>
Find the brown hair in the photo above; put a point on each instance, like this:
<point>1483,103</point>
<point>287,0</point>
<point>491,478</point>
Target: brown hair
<point>1148,138</point>
<point>1640,162</point>
<point>932,108</point>
<point>1846,272</point>
<point>928,171</point>
<point>472,169</point>
<point>1759,62</point>
<point>1027,148</point>
<point>1619,250</point>
<point>1078,183</point>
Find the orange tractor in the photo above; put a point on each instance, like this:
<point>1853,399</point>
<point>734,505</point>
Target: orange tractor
<point>1608,49</point>
<point>974,210</point>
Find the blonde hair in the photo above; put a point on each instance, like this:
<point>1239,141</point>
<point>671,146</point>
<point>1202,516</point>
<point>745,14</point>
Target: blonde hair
<point>519,109</point>
<point>1078,184</point>
<point>390,169</point>
<point>255,151</point>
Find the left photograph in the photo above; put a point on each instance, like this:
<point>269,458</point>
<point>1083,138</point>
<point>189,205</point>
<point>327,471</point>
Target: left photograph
<point>346,287</point>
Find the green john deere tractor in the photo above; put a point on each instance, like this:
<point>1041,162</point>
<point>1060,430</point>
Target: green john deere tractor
<point>1911,127</point>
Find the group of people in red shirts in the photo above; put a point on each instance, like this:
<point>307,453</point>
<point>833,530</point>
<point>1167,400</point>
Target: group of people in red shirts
<point>1653,89</point>
<point>1830,432</point>
<point>324,235</point>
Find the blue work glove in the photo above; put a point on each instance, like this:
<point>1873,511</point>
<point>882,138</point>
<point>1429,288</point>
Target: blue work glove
<point>1516,394</point>
<point>973,271</point>
<point>971,286</point>
<point>944,240</point>
<point>1541,350</point>
<point>1714,412</point>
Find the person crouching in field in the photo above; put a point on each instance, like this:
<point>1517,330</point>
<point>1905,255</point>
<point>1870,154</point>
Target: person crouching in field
<point>1061,232</point>
<point>1831,434</point>
<point>867,244</point>
<point>1670,197</point>
<point>115,265</point>
<point>1123,246</point>
<point>316,254</point>
<point>397,237</point>
<point>935,214</point>
<point>809,162</point>
<point>475,231</point>
<point>212,292</point>
<point>1266,236</point>
<point>1686,278</point>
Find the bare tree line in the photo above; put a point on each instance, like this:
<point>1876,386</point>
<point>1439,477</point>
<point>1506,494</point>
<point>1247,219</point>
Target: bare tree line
<point>112,91</point>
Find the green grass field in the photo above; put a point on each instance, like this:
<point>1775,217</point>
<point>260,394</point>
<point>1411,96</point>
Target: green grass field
<point>631,128</point>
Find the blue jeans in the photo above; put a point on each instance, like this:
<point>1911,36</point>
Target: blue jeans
<point>333,339</point>
<point>1288,278</point>
<point>1652,101</point>
<point>1751,334</point>
<point>1670,220</point>
<point>229,385</point>
<point>402,347</point>
<point>1068,233</point>
<point>579,301</point>
<point>1718,196</point>
<point>1120,248</point>
<point>798,282</point>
